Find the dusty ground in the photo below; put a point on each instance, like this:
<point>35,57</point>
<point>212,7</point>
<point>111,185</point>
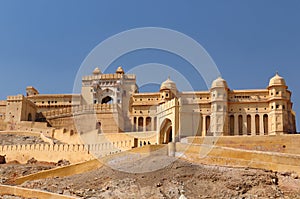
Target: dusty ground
<point>13,170</point>
<point>9,139</point>
<point>19,139</point>
<point>197,181</point>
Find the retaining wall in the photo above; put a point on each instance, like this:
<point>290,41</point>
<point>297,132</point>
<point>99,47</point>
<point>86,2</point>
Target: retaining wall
<point>224,156</point>
<point>30,193</point>
<point>278,143</point>
<point>62,171</point>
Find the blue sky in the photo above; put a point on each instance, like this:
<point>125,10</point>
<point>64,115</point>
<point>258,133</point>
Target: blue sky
<point>43,43</point>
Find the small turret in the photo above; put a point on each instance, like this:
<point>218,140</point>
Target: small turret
<point>168,85</point>
<point>219,83</point>
<point>30,91</point>
<point>168,90</point>
<point>278,105</point>
<point>120,70</point>
<point>277,81</point>
<point>96,71</point>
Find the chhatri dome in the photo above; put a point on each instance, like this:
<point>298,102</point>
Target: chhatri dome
<point>219,82</point>
<point>277,81</point>
<point>168,84</point>
<point>97,71</point>
<point>120,70</point>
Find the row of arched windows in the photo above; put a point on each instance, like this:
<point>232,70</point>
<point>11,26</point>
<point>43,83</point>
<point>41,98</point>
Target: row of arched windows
<point>144,124</point>
<point>249,124</point>
<point>240,125</point>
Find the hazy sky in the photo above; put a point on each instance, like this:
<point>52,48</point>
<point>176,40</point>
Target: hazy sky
<point>43,43</point>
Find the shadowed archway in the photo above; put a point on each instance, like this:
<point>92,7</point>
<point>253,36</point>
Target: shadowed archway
<point>165,134</point>
<point>107,100</point>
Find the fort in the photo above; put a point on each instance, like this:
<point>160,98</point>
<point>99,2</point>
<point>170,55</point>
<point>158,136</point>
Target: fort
<point>111,103</point>
<point>238,128</point>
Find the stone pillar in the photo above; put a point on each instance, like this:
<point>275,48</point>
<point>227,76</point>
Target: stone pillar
<point>137,124</point>
<point>253,125</point>
<point>144,124</point>
<point>261,124</point>
<point>203,125</point>
<point>132,124</point>
<point>244,124</point>
<point>236,124</point>
<point>152,123</point>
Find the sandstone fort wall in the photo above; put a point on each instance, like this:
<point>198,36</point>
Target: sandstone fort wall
<point>53,153</point>
<point>62,171</point>
<point>225,156</point>
<point>30,193</point>
<point>283,143</point>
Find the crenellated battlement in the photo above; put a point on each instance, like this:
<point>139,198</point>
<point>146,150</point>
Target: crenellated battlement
<point>124,144</point>
<point>108,77</point>
<point>57,147</point>
<point>72,152</point>
<point>15,98</point>
<point>19,98</point>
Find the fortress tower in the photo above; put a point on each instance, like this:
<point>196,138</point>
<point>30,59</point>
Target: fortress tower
<point>219,107</point>
<point>115,88</point>
<point>280,106</point>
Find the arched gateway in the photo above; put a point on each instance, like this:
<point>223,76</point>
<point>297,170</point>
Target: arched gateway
<point>165,134</point>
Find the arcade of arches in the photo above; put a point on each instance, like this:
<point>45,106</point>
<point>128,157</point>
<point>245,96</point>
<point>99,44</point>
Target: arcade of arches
<point>144,124</point>
<point>238,124</point>
<point>248,124</point>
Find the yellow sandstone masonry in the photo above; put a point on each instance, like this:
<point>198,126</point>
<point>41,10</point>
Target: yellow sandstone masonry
<point>30,193</point>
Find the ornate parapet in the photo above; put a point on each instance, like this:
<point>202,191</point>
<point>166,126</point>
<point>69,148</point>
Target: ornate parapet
<point>15,98</point>
<point>108,77</point>
<point>167,105</point>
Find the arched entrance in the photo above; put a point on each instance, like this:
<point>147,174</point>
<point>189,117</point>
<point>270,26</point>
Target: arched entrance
<point>107,100</point>
<point>165,134</point>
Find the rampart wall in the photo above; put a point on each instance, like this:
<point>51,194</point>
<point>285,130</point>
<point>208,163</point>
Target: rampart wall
<point>72,137</point>
<point>142,138</point>
<point>62,171</point>
<point>283,143</point>
<point>53,153</point>
<point>30,193</point>
<point>233,157</point>
<point>77,149</point>
<point>45,152</point>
